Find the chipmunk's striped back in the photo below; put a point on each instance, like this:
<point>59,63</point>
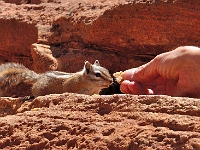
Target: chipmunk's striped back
<point>89,81</point>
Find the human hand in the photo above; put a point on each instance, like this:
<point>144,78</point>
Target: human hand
<point>174,73</point>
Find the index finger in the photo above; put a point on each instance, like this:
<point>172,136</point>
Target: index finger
<point>144,73</point>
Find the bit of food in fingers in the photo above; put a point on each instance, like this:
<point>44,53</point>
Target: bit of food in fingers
<point>118,76</point>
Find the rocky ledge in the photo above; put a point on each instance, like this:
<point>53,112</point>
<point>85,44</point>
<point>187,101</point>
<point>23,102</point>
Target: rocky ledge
<point>122,122</point>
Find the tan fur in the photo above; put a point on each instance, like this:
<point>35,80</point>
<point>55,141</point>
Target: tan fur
<point>86,81</point>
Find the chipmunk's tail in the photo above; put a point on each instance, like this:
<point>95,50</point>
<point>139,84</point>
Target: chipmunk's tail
<point>12,74</point>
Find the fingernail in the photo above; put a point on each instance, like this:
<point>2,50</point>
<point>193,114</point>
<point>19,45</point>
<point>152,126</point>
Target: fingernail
<point>128,74</point>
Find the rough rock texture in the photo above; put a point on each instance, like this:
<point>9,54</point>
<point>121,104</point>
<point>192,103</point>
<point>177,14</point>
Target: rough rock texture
<point>61,35</point>
<point>48,61</point>
<point>117,122</point>
<point>15,39</point>
<point>128,32</point>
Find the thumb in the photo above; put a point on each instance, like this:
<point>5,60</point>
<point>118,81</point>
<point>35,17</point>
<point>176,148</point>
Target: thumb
<point>144,73</point>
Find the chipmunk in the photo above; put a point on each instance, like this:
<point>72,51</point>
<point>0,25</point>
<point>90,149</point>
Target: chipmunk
<point>91,80</point>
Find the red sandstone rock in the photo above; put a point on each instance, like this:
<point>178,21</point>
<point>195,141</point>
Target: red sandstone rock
<point>16,39</point>
<point>43,60</point>
<point>72,121</point>
<point>121,34</point>
<point>129,32</point>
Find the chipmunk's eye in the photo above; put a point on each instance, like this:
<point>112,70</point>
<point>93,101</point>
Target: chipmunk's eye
<point>98,75</point>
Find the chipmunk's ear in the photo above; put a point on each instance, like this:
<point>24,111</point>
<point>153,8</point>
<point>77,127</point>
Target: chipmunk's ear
<point>88,66</point>
<point>96,63</point>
